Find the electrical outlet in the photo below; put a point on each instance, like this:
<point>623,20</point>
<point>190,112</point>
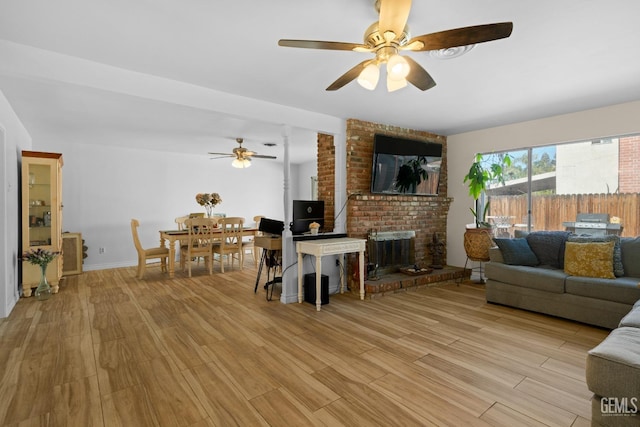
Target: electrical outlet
<point>337,262</point>
<point>101,251</point>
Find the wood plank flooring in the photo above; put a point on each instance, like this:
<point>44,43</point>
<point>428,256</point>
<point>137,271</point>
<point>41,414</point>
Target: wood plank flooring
<point>112,350</point>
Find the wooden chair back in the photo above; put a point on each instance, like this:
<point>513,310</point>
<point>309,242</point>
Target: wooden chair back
<point>199,243</point>
<point>200,235</point>
<point>160,252</point>
<point>136,240</point>
<point>181,222</point>
<point>230,240</point>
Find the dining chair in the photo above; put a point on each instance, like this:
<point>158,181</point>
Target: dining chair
<point>181,222</point>
<point>199,242</point>
<point>144,254</point>
<point>230,244</point>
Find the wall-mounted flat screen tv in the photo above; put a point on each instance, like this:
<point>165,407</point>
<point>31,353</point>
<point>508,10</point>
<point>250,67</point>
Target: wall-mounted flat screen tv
<point>405,166</point>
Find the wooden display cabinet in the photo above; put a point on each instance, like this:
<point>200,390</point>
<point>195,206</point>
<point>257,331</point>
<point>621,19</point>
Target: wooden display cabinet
<point>41,215</point>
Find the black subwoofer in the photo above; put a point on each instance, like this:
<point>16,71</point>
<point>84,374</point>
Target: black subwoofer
<point>310,288</point>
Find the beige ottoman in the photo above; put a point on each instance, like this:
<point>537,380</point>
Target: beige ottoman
<point>613,375</point>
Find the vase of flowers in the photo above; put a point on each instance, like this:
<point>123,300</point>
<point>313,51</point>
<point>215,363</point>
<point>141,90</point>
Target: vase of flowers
<point>209,201</point>
<point>41,258</point>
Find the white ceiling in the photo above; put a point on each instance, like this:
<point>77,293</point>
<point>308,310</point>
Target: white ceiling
<point>562,56</point>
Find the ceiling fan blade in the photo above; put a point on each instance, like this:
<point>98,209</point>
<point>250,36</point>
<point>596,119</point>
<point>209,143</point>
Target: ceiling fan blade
<point>462,36</point>
<point>225,156</point>
<point>262,156</point>
<point>221,154</point>
<point>349,75</point>
<point>393,16</point>
<point>418,76</point>
<point>319,44</point>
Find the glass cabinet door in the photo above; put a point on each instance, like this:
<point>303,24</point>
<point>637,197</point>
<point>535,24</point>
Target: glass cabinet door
<point>41,215</point>
<point>40,198</point>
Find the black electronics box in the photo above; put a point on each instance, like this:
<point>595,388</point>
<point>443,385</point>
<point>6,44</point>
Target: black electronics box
<point>310,288</point>
<point>271,226</point>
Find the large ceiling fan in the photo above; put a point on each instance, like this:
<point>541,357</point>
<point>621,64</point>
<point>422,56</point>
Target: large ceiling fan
<point>242,156</point>
<point>389,36</point>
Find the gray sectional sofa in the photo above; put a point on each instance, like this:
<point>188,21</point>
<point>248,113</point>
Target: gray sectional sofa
<point>542,285</point>
<point>536,273</point>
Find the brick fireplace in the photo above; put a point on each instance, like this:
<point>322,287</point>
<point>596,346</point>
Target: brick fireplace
<point>367,212</point>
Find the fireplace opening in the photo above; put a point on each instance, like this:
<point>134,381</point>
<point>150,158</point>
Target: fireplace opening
<point>388,251</point>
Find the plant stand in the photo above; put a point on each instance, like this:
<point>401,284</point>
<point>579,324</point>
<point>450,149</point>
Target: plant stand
<point>477,242</point>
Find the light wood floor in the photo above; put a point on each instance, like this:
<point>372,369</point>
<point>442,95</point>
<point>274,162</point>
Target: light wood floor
<point>112,350</point>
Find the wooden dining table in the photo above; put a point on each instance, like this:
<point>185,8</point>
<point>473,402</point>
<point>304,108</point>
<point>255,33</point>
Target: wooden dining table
<point>171,236</point>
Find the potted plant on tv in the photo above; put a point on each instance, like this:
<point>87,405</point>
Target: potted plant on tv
<point>483,171</point>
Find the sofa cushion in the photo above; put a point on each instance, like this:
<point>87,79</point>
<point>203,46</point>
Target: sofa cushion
<point>540,278</point>
<point>613,366</point>
<point>633,317</point>
<point>548,246</point>
<point>623,289</point>
<point>495,255</point>
<point>618,268</point>
<point>589,259</point>
<point>516,252</point>
<point>630,255</point>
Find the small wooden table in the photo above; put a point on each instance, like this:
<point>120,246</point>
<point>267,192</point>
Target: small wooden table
<point>321,247</point>
<point>271,245</point>
<point>173,235</point>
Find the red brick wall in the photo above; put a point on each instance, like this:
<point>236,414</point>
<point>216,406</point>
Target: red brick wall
<point>327,177</point>
<point>424,214</point>
<point>629,178</point>
<point>365,211</point>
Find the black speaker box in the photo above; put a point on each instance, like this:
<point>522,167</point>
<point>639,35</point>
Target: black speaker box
<point>310,288</point>
<point>271,226</point>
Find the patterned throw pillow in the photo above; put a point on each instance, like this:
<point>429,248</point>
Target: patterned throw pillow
<point>516,252</point>
<point>589,259</point>
<point>618,268</point>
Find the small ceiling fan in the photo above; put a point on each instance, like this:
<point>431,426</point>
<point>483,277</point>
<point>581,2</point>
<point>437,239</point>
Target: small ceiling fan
<point>390,35</point>
<point>242,155</point>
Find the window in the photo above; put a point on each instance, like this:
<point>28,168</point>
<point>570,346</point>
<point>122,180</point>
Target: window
<point>547,187</point>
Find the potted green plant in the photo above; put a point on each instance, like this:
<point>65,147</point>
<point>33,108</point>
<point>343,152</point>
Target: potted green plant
<point>483,171</point>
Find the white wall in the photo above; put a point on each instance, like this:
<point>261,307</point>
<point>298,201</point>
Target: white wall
<point>13,139</point>
<point>105,187</point>
<point>587,168</point>
<point>304,172</point>
<point>614,120</point>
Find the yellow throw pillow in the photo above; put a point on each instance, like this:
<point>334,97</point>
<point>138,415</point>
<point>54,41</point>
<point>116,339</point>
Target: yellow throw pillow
<point>589,259</point>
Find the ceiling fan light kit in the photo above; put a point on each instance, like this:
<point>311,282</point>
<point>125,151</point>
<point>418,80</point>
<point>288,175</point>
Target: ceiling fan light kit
<point>369,76</point>
<point>242,156</point>
<point>389,35</point>
<point>241,163</point>
<point>397,67</point>
<point>393,85</point>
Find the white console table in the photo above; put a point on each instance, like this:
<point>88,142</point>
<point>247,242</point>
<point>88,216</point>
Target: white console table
<point>321,247</point>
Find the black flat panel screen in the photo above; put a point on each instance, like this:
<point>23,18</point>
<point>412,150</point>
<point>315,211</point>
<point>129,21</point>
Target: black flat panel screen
<point>404,166</point>
<point>304,213</point>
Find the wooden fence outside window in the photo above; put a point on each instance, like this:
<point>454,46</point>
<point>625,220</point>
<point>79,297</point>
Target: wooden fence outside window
<point>550,211</point>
